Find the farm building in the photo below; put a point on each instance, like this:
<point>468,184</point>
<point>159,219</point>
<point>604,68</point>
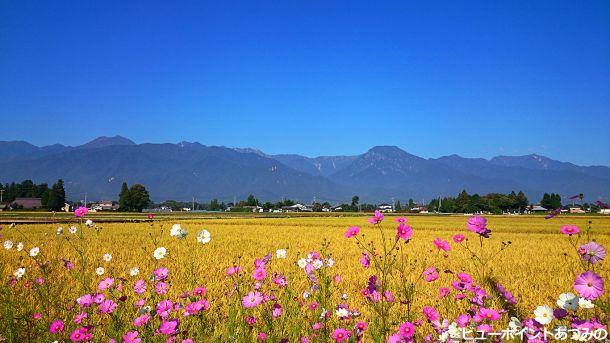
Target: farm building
<point>385,208</point>
<point>26,203</point>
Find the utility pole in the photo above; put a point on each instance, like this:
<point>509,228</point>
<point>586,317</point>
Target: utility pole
<point>1,194</point>
<point>85,199</point>
<point>193,203</point>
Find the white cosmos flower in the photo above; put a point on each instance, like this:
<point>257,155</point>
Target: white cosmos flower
<point>34,251</point>
<point>302,263</point>
<point>159,253</point>
<point>453,330</point>
<point>317,264</point>
<point>584,303</point>
<point>204,236</point>
<point>330,262</point>
<point>107,257</point>
<point>89,223</point>
<point>280,253</point>
<point>175,230</point>
<point>19,246</point>
<point>8,244</point>
<point>134,271</point>
<point>344,296</point>
<point>568,301</point>
<point>60,230</point>
<point>19,273</point>
<point>72,229</point>
<point>341,312</point>
<point>543,314</point>
<point>100,271</point>
<point>305,295</point>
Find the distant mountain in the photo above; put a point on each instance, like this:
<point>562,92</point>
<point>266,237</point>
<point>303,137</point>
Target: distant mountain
<point>186,169</point>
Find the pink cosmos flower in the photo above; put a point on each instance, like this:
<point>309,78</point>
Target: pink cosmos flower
<point>570,230</point>
<point>361,326</point>
<point>459,238</point>
<point>352,232</point>
<point>81,334</point>
<point>394,338</point>
<point>430,274</point>
<point>150,216</point>
<point>430,313</point>
<point>259,274</point>
<point>404,231</point>
<point>400,220</point>
<point>80,317</point>
<point>140,286</point>
<point>194,308</point>
<point>107,306</point>
<point>477,223</point>
<point>80,212</point>
<point>169,327</point>
<point>187,340</point>
<point>407,330</point>
<point>462,320</point>
<point>464,277</point>
<point>161,273</point>
<point>376,218</point>
<point>161,287</point>
<point>56,327</point>
<point>140,302</point>
<point>485,328</point>
<point>233,270</point>
<point>99,298</point>
<point>488,314</point>
<point>592,252</point>
<point>164,308</point>
<point>85,300</point>
<point>340,335</point>
<point>253,299</point>
<point>277,311</point>
<point>365,260</point>
<point>131,337</point>
<point>141,320</point>
<point>261,336</point>
<point>442,244</point>
<point>589,285</point>
<point>37,315</point>
<point>105,284</point>
<point>388,296</point>
<point>443,292</point>
<point>199,292</point>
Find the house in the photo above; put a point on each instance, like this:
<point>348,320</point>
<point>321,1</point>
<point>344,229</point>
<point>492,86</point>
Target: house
<point>254,208</point>
<point>297,208</point>
<point>385,208</point>
<point>26,203</point>
<point>538,208</point>
<point>576,209</point>
<point>3,207</point>
<point>419,209</point>
<point>604,211</point>
<point>105,205</point>
<point>337,208</point>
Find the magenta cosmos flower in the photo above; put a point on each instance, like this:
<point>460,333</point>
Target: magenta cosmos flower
<point>376,218</point>
<point>169,327</point>
<point>592,252</point>
<point>56,327</point>
<point>105,284</point>
<point>478,225</point>
<point>442,244</point>
<point>404,231</point>
<point>131,337</point>
<point>365,260</point>
<point>352,232</point>
<point>430,274</point>
<point>589,285</point>
<point>400,220</point>
<point>259,274</point>
<point>407,329</point>
<point>80,212</point>
<point>161,273</point>
<point>340,335</point>
<point>570,230</point>
<point>459,238</point>
<point>488,314</point>
<point>430,313</point>
<point>253,299</point>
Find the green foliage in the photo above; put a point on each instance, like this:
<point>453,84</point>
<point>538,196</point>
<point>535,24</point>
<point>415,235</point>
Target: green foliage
<point>134,199</point>
<point>493,202</point>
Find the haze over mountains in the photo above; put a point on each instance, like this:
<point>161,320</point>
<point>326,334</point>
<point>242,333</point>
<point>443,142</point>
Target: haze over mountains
<point>181,171</point>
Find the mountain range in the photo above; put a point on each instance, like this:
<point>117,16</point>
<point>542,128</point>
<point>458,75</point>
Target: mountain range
<point>185,170</point>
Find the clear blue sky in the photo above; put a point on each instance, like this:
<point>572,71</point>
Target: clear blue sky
<point>313,77</point>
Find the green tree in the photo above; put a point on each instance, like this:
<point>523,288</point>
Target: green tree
<point>124,198</point>
<point>252,201</point>
<point>139,197</point>
<point>56,196</point>
<point>355,201</point>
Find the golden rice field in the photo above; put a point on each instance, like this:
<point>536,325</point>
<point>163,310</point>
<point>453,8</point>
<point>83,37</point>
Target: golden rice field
<point>534,267</point>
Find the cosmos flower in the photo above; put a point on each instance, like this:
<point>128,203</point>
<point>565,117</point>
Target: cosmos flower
<point>141,320</point>
<point>89,223</point>
<point>134,271</point>
<point>352,232</point>
<point>280,253</point>
<point>20,246</point>
<point>430,274</point>
<point>107,257</point>
<point>365,260</point>
<point>376,218</point>
<point>107,306</point>
<point>72,229</point>
<point>430,313</point>
<point>259,274</point>
<point>252,299</point>
<point>131,337</point>
<point>56,327</point>
<point>400,220</point>
<point>169,327</point>
<point>80,212</point>
<point>159,253</point>
<point>442,244</point>
<point>459,238</point>
<point>204,237</point>
<point>570,230</point>
<point>100,271</point>
<point>407,330</point>
<point>589,285</point>
<point>568,301</point>
<point>488,314</point>
<point>340,335</point>
<point>105,284</point>
<point>34,251</point>
<point>140,286</point>
<point>161,273</point>
<point>543,314</point>
<point>60,230</point>
<point>592,252</point>
<point>404,231</point>
<point>19,273</point>
<point>8,244</point>
<point>175,230</point>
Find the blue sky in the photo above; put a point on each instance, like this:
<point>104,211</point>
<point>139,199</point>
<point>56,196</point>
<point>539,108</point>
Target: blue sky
<point>314,77</point>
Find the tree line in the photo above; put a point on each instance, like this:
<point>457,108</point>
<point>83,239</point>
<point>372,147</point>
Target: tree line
<point>52,198</point>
